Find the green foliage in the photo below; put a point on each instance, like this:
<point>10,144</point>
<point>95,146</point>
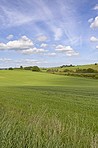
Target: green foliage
<point>89,70</point>
<point>28,68</point>
<point>21,67</point>
<point>68,70</point>
<point>10,68</point>
<point>52,70</point>
<point>35,68</point>
<point>66,66</point>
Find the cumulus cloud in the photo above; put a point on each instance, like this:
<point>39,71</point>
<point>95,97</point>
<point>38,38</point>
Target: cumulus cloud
<point>96,7</point>
<point>90,20</point>
<point>51,54</point>
<point>72,53</point>
<point>93,39</point>
<point>10,37</point>
<point>21,44</point>
<point>34,50</point>
<point>43,45</point>
<point>95,23</point>
<point>67,50</point>
<point>41,38</point>
<point>96,47</point>
<point>61,48</point>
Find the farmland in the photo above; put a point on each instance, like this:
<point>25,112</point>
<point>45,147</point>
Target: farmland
<point>39,110</point>
<point>93,66</point>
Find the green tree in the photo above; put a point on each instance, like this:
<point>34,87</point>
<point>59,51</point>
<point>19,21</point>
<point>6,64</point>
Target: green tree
<point>35,68</point>
<point>10,68</point>
<point>21,67</point>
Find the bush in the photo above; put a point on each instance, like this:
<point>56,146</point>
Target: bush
<point>67,70</point>
<point>89,70</point>
<point>35,68</point>
<point>10,68</point>
<point>28,68</point>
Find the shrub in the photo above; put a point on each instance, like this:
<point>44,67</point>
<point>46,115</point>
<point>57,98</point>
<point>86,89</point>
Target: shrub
<point>28,68</point>
<point>89,70</point>
<point>35,68</point>
<point>10,68</point>
<point>67,70</point>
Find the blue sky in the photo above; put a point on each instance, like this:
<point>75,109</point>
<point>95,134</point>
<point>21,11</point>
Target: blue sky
<point>48,32</point>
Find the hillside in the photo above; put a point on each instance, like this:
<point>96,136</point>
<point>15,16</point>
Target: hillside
<point>45,110</point>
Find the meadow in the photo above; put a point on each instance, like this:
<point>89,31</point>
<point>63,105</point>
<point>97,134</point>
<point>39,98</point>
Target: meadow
<point>42,110</point>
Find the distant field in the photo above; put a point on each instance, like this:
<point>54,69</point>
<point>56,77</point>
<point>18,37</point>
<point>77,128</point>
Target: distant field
<point>39,110</point>
<point>93,66</point>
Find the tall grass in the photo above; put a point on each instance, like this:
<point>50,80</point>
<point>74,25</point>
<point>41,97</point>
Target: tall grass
<point>39,131</point>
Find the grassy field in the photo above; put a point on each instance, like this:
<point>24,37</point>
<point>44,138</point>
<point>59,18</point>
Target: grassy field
<point>40,110</point>
<point>93,66</point>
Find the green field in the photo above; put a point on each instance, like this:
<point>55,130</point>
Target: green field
<point>41,110</point>
<point>93,66</point>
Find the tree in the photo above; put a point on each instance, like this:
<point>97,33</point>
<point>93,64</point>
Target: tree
<point>35,68</point>
<point>10,68</point>
<point>21,67</point>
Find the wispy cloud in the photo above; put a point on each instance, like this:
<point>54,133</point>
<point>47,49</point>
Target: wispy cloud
<point>90,20</point>
<point>41,38</point>
<point>11,17</point>
<point>96,7</point>
<point>5,60</point>
<point>10,37</point>
<point>43,45</point>
<point>51,54</point>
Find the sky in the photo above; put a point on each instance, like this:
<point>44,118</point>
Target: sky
<point>48,33</point>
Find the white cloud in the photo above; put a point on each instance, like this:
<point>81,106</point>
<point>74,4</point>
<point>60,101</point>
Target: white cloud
<point>58,33</point>
<point>96,47</point>
<point>34,51</point>
<point>93,39</point>
<point>26,61</point>
<point>53,45</point>
<point>61,48</point>
<point>96,7</point>
<point>12,17</point>
<point>5,60</point>
<point>51,54</point>
<point>90,20</point>
<point>21,44</point>
<point>67,50</point>
<point>72,53</point>
<point>41,38</point>
<point>95,23</point>
<point>43,45</point>
<point>10,37</point>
